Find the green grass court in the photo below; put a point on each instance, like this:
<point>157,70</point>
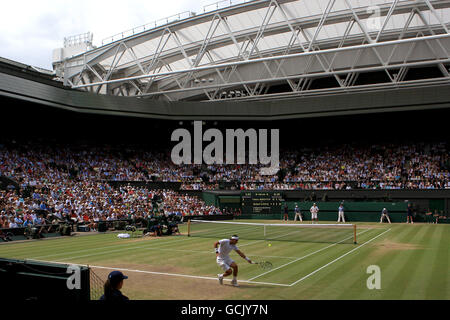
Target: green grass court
<point>413,259</point>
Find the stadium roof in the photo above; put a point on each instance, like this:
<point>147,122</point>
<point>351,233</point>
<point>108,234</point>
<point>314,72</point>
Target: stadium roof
<point>270,50</point>
<point>21,84</point>
<point>19,65</point>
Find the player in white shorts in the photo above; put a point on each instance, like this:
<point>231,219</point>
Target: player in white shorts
<point>314,210</point>
<point>223,248</point>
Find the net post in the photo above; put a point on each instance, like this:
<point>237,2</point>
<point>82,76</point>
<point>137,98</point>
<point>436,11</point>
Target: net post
<point>354,233</point>
<point>189,227</point>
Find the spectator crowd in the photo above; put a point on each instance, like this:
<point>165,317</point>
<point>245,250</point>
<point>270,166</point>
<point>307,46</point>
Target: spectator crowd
<point>72,182</point>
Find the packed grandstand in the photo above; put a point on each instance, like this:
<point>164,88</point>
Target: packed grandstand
<point>75,181</point>
<point>357,91</point>
<point>393,166</point>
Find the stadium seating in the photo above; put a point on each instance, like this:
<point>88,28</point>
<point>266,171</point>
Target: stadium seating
<point>74,183</point>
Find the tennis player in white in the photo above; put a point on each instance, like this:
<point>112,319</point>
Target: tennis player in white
<point>223,248</point>
<point>314,210</point>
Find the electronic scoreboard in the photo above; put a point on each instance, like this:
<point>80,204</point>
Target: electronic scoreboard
<point>262,202</point>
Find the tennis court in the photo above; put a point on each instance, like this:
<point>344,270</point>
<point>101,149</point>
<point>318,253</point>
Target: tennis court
<point>413,260</point>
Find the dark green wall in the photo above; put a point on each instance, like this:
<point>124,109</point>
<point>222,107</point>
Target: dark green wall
<point>232,202</point>
<point>210,198</point>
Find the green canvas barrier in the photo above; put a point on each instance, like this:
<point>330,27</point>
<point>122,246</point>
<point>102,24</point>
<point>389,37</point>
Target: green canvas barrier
<point>351,206</point>
<point>210,198</point>
<point>367,211</point>
<point>231,202</point>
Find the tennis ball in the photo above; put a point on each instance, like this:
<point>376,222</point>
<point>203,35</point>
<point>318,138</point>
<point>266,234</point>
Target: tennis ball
<point>269,245</point>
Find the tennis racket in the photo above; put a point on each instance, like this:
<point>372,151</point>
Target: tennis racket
<point>266,265</point>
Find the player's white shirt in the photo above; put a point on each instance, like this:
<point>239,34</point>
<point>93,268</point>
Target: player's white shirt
<point>341,209</point>
<point>225,248</point>
<point>314,209</point>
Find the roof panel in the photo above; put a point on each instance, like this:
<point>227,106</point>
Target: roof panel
<point>245,23</point>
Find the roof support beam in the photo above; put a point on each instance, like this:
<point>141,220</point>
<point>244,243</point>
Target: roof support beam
<point>271,58</point>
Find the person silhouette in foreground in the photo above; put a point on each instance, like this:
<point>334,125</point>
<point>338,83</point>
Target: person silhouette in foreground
<point>112,287</point>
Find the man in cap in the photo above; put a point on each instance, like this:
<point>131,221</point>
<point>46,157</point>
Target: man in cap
<point>223,248</point>
<point>297,213</point>
<point>341,217</point>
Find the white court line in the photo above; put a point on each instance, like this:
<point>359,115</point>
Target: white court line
<point>337,259</point>
<point>129,246</point>
<point>204,277</point>
<point>150,246</point>
<point>284,235</point>
<point>257,241</point>
<point>301,258</point>
<point>212,252</point>
<point>116,245</point>
<point>167,274</point>
<point>248,244</point>
<point>153,245</point>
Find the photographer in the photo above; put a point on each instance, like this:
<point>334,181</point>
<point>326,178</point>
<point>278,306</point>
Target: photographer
<point>172,228</point>
<point>154,230</point>
<point>6,236</point>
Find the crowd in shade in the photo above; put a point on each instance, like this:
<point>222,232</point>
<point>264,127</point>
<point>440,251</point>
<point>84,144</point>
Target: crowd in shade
<point>419,166</point>
<point>401,166</point>
<point>414,166</point>
<point>73,180</point>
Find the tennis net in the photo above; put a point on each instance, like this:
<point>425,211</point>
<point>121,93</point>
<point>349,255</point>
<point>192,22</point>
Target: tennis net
<point>326,233</point>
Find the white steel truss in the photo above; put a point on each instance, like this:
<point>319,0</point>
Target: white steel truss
<point>274,48</point>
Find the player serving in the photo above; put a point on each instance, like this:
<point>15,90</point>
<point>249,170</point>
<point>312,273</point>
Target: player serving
<point>223,248</point>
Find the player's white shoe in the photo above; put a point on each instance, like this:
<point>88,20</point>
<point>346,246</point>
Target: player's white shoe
<point>220,277</point>
<point>234,283</point>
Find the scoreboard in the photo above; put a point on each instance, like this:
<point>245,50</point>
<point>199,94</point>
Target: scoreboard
<point>262,202</point>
